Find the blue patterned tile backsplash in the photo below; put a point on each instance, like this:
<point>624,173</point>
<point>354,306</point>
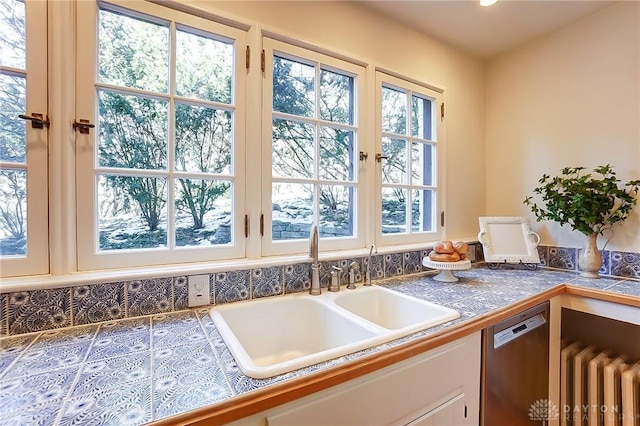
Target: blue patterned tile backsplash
<point>98,302</point>
<point>39,310</point>
<point>625,264</point>
<point>145,297</point>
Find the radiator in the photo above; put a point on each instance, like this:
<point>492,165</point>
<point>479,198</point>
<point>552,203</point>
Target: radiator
<point>598,388</point>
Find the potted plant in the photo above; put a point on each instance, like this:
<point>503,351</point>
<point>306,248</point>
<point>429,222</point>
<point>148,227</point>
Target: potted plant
<point>588,202</point>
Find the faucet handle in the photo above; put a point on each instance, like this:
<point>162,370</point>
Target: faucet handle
<point>335,279</point>
<point>353,267</point>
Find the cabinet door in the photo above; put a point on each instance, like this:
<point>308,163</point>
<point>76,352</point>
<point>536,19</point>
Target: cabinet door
<point>441,384</point>
<point>447,414</point>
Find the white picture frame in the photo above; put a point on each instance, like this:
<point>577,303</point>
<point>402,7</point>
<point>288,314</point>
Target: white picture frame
<point>508,239</point>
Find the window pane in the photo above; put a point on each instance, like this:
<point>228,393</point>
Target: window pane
<point>394,210</point>
<point>13,212</point>
<point>336,154</point>
<point>133,53</point>
<point>204,139</point>
<point>13,40</point>
<point>337,211</point>
<point>203,212</point>
<point>293,149</point>
<point>394,111</point>
<point>421,210</point>
<point>421,164</point>
<point>132,132</point>
<point>293,87</point>
<point>132,212</point>
<point>394,167</point>
<point>292,211</point>
<point>12,129</point>
<point>204,67</point>
<point>421,117</point>
<point>336,97</point>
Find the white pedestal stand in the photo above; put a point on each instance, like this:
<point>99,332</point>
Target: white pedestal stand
<point>445,268</point>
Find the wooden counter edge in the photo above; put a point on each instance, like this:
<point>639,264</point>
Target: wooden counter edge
<point>271,396</point>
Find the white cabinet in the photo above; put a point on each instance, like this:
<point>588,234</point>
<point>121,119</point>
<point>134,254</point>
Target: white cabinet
<point>438,387</point>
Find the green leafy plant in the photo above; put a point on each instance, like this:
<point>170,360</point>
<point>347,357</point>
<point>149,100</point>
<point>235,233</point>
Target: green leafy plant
<point>590,202</point>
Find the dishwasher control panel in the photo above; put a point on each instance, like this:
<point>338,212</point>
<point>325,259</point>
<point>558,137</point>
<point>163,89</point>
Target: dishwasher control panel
<point>508,334</point>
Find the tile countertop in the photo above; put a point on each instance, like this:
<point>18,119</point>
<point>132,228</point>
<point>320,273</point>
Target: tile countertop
<point>136,371</point>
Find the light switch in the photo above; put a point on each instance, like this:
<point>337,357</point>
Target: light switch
<point>198,290</point>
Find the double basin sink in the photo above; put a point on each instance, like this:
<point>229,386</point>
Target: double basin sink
<point>275,335</point>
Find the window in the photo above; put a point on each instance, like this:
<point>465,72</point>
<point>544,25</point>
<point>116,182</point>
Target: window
<point>409,191</point>
<point>312,109</point>
<point>163,170</point>
<point>175,158</point>
<point>23,142</point>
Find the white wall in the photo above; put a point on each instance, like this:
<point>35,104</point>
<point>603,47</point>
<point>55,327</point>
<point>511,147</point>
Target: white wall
<point>571,98</point>
<point>352,29</point>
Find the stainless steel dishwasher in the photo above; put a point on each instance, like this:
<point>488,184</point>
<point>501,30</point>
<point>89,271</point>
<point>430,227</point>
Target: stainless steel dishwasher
<point>515,367</point>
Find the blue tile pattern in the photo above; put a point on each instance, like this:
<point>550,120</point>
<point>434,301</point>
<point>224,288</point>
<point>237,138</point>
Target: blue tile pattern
<point>232,286</point>
<point>376,269</point>
<point>297,277</point>
<point>98,303</point>
<point>267,281</point>
<point>38,310</point>
<point>116,372</point>
<point>412,262</point>
<point>40,415</point>
<point>74,376</point>
<point>19,393</point>
<point>562,258</point>
<point>625,264</point>
<point>543,254</point>
<point>393,265</point>
<point>146,297</point>
<point>129,405</point>
<point>181,293</point>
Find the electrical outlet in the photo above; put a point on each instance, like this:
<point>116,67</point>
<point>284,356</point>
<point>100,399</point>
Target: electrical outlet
<point>198,290</point>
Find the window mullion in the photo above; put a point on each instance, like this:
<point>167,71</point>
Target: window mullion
<point>316,177</point>
<point>171,142</point>
<point>409,163</point>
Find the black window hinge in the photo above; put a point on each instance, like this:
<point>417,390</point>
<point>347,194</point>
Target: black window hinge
<point>442,110</point>
<point>442,219</point>
<point>262,61</point>
<point>247,57</point>
<point>246,225</point>
<point>262,225</point>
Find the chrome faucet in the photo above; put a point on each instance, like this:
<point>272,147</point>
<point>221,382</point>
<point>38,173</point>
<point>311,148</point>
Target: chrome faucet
<point>367,280</point>
<point>315,265</point>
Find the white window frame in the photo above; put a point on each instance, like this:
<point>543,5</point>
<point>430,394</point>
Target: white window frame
<point>36,260</point>
<point>358,72</point>
<point>67,233</point>
<point>89,257</point>
<point>437,95</point>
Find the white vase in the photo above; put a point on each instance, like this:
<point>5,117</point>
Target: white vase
<point>590,259</point>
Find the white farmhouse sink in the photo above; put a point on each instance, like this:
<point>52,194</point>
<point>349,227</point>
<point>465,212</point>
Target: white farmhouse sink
<point>276,335</point>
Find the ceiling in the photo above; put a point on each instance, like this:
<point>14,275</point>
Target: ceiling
<point>485,32</point>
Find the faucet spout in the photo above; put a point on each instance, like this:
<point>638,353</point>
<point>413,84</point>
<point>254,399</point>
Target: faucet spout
<point>372,249</point>
<point>315,264</point>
